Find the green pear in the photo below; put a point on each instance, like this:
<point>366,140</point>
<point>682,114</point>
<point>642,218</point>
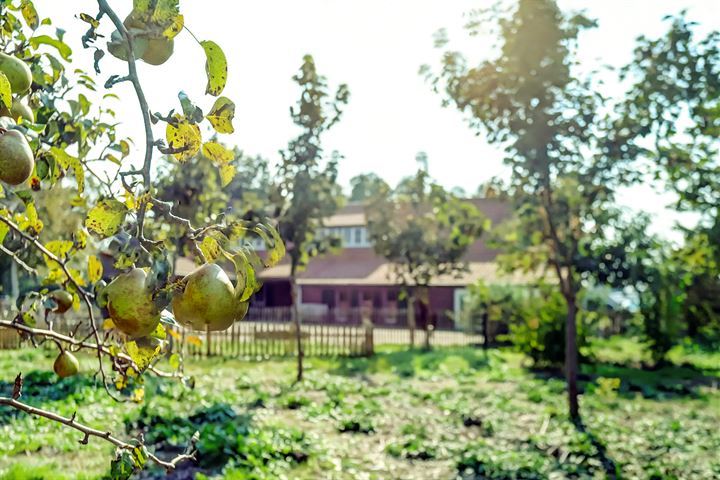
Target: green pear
<point>16,158</point>
<point>19,110</point>
<point>208,301</point>
<point>66,365</point>
<point>130,304</point>
<point>119,50</point>
<point>64,300</point>
<point>17,72</point>
<point>159,50</point>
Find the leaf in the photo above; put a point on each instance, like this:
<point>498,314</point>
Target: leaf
<point>227,173</point>
<point>184,137</point>
<point>221,115</point>
<point>217,153</point>
<point>193,340</point>
<point>95,269</point>
<point>89,19</point>
<point>106,217</point>
<point>108,325</point>
<point>123,466</point>
<point>30,220</point>
<point>175,27</point>
<point>30,14</point>
<point>275,247</point>
<point>63,49</point>
<point>173,334</point>
<point>68,161</point>
<point>210,248</point>
<point>5,90</point>
<point>190,110</point>
<point>159,332</point>
<point>215,67</point>
<point>4,229</point>
<point>59,248</point>
<point>142,355</point>
<point>174,361</point>
<point>138,395</point>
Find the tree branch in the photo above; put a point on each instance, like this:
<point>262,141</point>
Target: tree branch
<point>92,432</point>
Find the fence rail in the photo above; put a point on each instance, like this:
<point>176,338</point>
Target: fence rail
<point>268,332</point>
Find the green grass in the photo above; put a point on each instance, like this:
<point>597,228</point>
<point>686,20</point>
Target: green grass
<point>444,414</point>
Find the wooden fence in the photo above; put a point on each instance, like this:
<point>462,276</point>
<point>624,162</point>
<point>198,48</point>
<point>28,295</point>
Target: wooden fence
<point>267,332</point>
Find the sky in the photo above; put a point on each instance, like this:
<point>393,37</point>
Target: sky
<point>377,48</point>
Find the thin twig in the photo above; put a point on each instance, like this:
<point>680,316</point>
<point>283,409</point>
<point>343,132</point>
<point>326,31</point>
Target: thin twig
<point>82,344</point>
<point>17,260</point>
<point>92,432</point>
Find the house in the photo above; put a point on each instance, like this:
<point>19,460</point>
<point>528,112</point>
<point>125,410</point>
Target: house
<point>335,286</point>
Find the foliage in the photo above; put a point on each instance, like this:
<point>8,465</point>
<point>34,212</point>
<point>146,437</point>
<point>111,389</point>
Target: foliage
<point>365,186</point>
<point>422,230</point>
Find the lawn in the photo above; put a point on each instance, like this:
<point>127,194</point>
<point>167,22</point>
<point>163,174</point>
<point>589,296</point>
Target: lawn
<point>450,413</point>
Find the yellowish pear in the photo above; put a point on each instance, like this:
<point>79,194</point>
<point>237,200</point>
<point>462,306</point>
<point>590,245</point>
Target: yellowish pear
<point>66,365</point>
<point>208,300</point>
<point>64,300</point>
<point>16,157</point>
<point>130,304</point>
<point>17,72</point>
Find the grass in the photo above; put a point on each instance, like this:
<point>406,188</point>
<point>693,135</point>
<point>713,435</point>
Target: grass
<point>445,414</point>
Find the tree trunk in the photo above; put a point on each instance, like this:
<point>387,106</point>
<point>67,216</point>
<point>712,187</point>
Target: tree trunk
<point>411,317</point>
<point>296,323</point>
<point>486,328</point>
<point>571,358</point>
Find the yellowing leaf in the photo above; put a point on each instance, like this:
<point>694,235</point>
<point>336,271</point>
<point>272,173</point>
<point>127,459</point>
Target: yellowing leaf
<point>184,138</point>
<point>59,248</point>
<point>5,90</point>
<point>108,324</point>
<point>210,248</point>
<point>130,200</point>
<point>4,229</point>
<point>68,161</point>
<point>175,27</point>
<point>221,115</point>
<point>142,355</point>
<point>215,67</point>
<point>89,19</point>
<point>30,14</point>
<point>30,220</point>
<point>138,395</point>
<point>193,340</point>
<point>217,153</point>
<point>227,173</point>
<point>174,361</point>
<point>106,217</point>
<point>95,269</point>
<point>173,333</point>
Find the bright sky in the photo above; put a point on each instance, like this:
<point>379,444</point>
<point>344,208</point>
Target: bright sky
<point>376,47</point>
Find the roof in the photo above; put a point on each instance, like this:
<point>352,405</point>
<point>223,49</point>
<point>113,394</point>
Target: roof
<point>362,266</point>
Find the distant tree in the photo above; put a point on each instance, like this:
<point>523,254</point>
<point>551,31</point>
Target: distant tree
<point>365,186</point>
<point>423,231</point>
<point>566,149</point>
<point>306,189</point>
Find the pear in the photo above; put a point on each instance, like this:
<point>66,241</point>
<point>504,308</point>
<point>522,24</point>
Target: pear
<point>118,48</point>
<point>16,158</point>
<point>66,365</point>
<point>19,110</point>
<point>208,301</point>
<point>64,300</point>
<point>17,72</point>
<point>130,304</point>
<point>158,51</point>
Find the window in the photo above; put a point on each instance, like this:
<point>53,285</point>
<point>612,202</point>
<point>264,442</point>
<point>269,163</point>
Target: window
<point>354,299</point>
<point>358,236</point>
<point>347,236</point>
<point>328,298</point>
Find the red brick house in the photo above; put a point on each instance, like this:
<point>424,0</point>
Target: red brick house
<point>333,287</point>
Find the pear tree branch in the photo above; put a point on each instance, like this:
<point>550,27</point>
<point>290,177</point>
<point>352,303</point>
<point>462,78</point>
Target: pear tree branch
<point>88,432</point>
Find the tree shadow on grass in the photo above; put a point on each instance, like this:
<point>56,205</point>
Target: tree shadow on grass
<point>41,386</point>
<point>611,469</point>
<point>409,363</point>
<point>225,437</point>
<point>665,383</point>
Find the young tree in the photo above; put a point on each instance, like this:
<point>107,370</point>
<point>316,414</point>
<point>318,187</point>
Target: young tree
<point>566,150</point>
<point>56,132</point>
<point>306,190</point>
<point>365,186</point>
<point>423,231</point>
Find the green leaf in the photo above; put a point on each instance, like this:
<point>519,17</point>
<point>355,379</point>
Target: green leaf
<point>106,217</point>
<point>5,90</point>
<point>95,269</point>
<point>217,153</point>
<point>4,229</point>
<point>30,14</point>
<point>191,112</point>
<point>63,49</point>
<point>215,67</point>
<point>221,115</point>
<point>123,466</point>
<point>273,243</point>
<point>174,361</point>
<point>184,137</point>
